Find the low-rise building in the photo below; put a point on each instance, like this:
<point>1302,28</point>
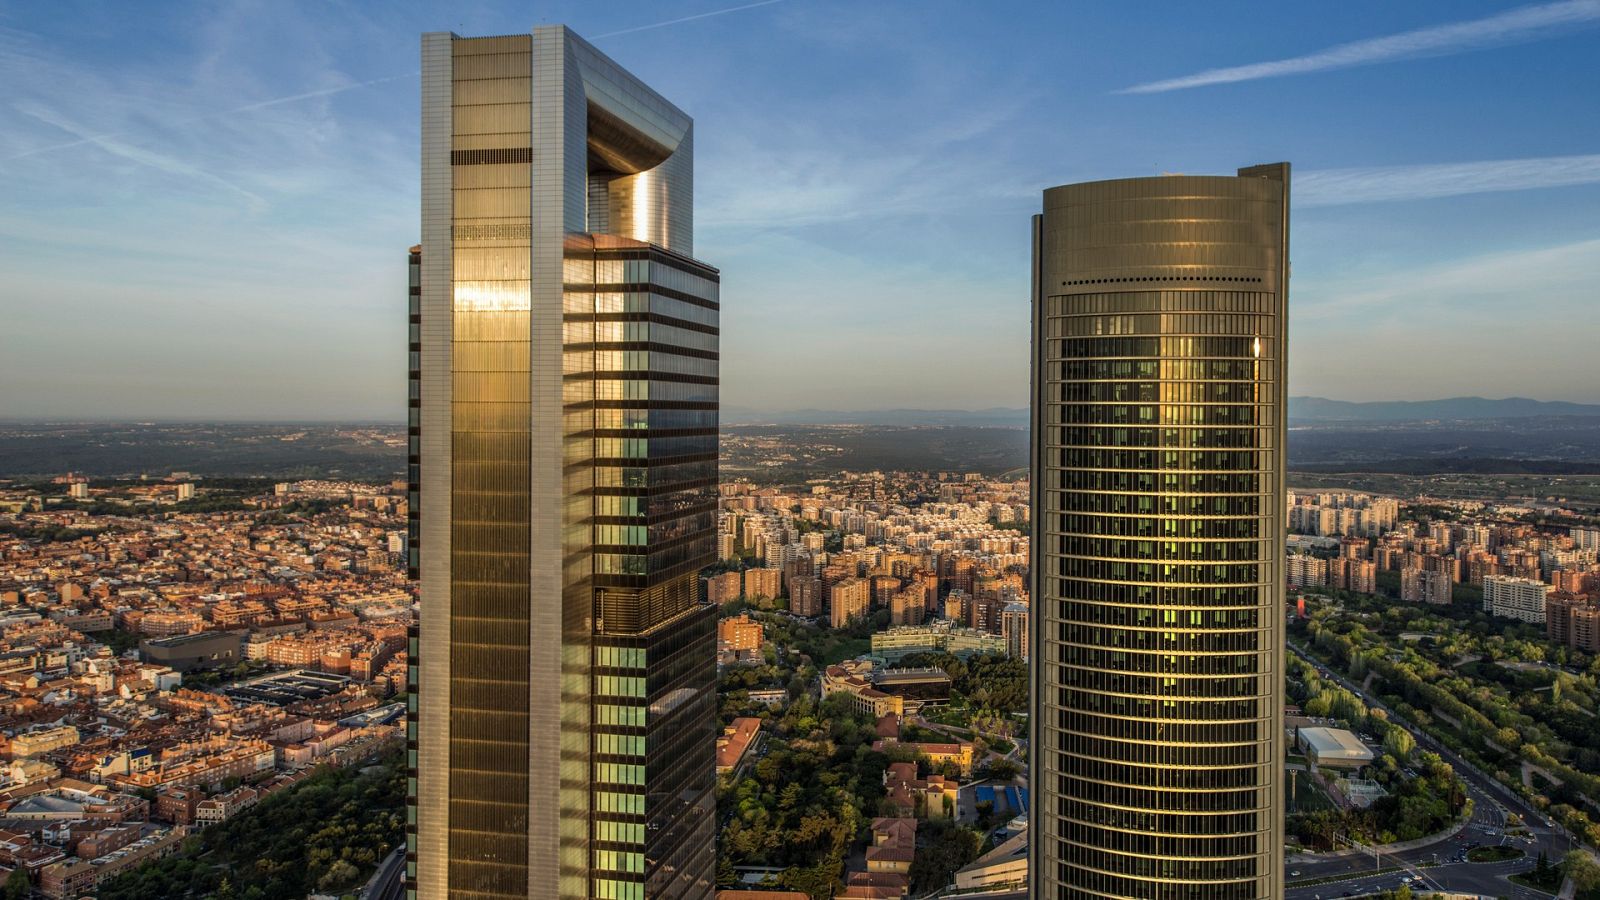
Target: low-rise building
<point>1332,747</point>
<point>735,744</point>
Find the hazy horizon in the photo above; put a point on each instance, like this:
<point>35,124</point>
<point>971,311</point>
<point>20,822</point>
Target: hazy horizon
<point>738,411</point>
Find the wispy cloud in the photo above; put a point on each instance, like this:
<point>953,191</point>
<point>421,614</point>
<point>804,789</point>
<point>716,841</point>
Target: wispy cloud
<point>680,21</point>
<point>1334,187</point>
<point>160,162</point>
<point>1514,26</point>
<point>248,107</point>
<point>1492,284</point>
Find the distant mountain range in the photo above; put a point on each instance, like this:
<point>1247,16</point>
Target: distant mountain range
<point>998,417</point>
<point>1301,409</point>
<point>1321,409</point>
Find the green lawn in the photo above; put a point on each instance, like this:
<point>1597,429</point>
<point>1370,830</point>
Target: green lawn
<point>1492,854</point>
<point>1308,797</point>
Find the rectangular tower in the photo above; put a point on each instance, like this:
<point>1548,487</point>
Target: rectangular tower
<point>564,410</point>
<point>1159,330</point>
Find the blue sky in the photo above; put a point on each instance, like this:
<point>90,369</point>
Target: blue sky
<point>207,205</point>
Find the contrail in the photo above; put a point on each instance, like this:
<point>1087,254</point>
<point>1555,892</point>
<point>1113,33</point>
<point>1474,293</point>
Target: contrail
<point>1376,184</point>
<point>704,15</point>
<point>1525,24</point>
<point>248,107</point>
<point>138,155</point>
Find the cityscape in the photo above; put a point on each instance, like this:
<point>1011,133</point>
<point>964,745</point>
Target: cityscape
<point>633,583</point>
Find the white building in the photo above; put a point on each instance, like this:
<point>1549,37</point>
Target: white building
<point>1515,598</point>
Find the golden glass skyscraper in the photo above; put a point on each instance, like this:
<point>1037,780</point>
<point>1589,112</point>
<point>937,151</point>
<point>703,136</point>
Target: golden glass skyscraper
<point>1159,327</point>
<point>564,452</point>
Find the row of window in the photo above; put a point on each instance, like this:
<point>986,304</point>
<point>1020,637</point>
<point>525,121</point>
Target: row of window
<point>619,657</point>
<point>640,419</point>
<point>1064,413</point>
<point>1160,301</point>
<point>1141,843</point>
<point>1086,884</point>
<point>619,773</point>
<point>617,303</point>
<point>1178,642</point>
<point>1082,664</point>
<point>1158,573</point>
<point>1088,724</point>
<point>631,362</point>
<point>1226,834</point>
<point>654,447</point>
<point>1184,551</point>
<point>1094,479</point>
<point>606,388</point>
<point>1155,460</point>
<point>611,889</point>
<point>619,744</point>
<point>579,331</point>
<point>1077,501</point>
<point>1159,686</point>
<point>612,714</point>
<point>655,475</point>
<point>1153,370</point>
<point>1146,753</point>
<point>1155,799</point>
<point>1165,392</point>
<point>1151,527</point>
<point>619,832</point>
<point>1167,438</point>
<point>653,563</point>
<point>1155,617</point>
<point>1169,346</point>
<point>1223,709</point>
<point>1199,323</point>
<point>578,270</point>
<point>1135,865</point>
<point>631,804</point>
<point>619,686</point>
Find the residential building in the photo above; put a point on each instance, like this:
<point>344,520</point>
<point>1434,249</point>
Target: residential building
<point>850,601</point>
<point>739,633</point>
<point>1425,586</point>
<point>762,586</point>
<point>723,588</point>
<point>1014,629</point>
<point>1515,598</point>
<point>1305,571</point>
<point>805,596</point>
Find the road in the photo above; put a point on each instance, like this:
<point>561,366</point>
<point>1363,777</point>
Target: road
<point>1491,801</point>
<point>389,882</point>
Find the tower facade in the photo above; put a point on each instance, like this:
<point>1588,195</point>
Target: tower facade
<point>1159,327</point>
<point>564,446</point>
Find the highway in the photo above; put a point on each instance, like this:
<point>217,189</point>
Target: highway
<point>1491,802</point>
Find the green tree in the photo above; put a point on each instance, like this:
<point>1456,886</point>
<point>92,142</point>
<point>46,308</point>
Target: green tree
<point>1582,869</point>
<point>17,886</point>
<point>1398,742</point>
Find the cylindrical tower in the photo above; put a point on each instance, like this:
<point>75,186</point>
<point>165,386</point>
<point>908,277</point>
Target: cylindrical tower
<point>1159,319</point>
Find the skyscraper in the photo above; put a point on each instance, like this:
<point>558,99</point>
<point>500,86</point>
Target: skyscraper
<point>1159,309</point>
<point>565,445</point>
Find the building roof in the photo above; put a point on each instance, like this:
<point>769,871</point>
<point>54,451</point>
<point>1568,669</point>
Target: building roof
<point>1334,743</point>
<point>1014,847</point>
<point>735,741</point>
